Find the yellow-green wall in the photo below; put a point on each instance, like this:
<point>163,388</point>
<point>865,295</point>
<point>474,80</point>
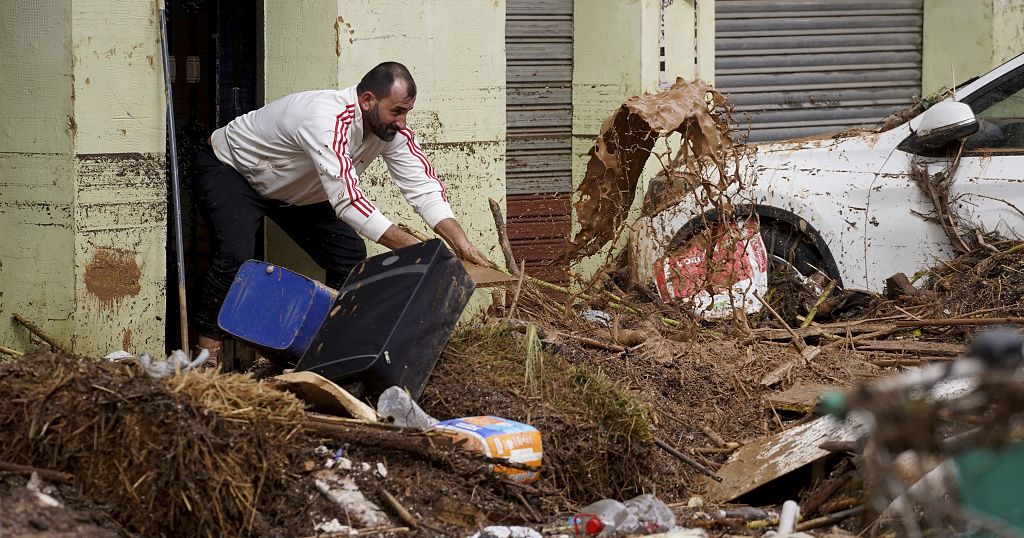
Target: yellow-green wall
<point>456,52</point>
<point>963,39</point>
<point>82,201</point>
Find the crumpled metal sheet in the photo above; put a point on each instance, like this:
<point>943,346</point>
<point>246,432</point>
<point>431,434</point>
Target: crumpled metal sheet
<point>624,144</point>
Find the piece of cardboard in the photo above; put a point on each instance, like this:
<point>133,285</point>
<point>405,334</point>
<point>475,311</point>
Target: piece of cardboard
<point>325,396</point>
<point>485,277</point>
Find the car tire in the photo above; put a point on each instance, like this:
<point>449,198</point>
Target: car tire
<point>781,240</point>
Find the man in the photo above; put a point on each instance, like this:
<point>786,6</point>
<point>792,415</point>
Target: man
<point>297,160</point>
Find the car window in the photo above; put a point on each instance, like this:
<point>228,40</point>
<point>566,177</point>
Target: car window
<point>1000,113</point>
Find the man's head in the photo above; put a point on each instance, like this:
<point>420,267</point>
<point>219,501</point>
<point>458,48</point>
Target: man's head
<point>386,94</point>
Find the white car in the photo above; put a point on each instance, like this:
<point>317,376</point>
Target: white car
<point>848,206</point>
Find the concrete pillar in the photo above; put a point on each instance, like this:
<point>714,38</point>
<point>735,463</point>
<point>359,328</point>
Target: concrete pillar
<point>88,214</point>
<point>967,39</point>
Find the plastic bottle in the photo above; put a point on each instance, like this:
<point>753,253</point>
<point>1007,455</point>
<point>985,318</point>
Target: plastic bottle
<point>599,519</point>
<point>397,406</point>
<point>644,514</point>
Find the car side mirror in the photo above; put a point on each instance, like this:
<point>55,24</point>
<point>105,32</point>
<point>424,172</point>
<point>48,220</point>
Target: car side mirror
<point>943,123</point>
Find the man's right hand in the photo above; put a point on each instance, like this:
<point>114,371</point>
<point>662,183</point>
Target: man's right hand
<point>396,238</point>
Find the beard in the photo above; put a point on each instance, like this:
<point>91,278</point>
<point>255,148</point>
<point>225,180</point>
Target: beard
<point>384,132</point>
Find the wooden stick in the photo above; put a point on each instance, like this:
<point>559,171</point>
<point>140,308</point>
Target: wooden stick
<point>860,337</point>
<point>715,438</point>
<point>798,341</point>
<point>11,352</point>
<point>829,519</point>
<point>592,342</point>
<point>688,460</point>
<point>45,474</point>
<point>506,246</point>
<point>519,288</point>
<point>397,508</point>
<point>950,322</point>
<point>821,299</point>
<point>39,332</point>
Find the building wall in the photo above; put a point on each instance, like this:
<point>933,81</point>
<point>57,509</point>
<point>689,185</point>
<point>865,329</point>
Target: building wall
<point>456,52</point>
<point>966,39</point>
<point>36,194</point>
<point>83,201</point>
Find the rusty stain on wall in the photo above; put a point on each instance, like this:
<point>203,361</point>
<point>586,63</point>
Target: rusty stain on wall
<point>112,274</point>
<point>126,340</point>
<point>337,34</point>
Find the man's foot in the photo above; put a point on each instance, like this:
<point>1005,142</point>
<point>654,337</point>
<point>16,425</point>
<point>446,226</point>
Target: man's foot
<point>213,346</point>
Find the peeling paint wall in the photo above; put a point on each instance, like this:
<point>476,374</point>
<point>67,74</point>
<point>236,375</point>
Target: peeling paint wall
<point>456,52</point>
<point>36,194</point>
<point>87,189</point>
<point>120,179</point>
<point>966,39</point>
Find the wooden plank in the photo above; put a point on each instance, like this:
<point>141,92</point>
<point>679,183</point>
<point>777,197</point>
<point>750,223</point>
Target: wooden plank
<point>763,460</point>
<point>324,396</point>
<point>800,398</point>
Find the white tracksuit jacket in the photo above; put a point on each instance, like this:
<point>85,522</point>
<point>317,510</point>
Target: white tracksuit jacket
<point>310,147</point>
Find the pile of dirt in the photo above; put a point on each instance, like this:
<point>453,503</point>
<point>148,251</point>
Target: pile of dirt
<point>980,283</point>
<point>202,455</point>
<point>596,436</point>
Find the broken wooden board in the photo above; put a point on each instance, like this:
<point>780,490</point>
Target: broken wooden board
<point>800,398</point>
<point>325,396</point>
<point>485,277</point>
<point>765,459</point>
<point>912,346</point>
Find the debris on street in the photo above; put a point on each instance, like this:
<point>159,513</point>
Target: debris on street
<point>608,406</point>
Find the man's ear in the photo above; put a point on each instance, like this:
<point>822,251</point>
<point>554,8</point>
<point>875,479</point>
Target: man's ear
<point>367,100</point>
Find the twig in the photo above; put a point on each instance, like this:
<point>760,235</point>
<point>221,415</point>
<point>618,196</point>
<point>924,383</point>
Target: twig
<point>821,299</point>
<point>46,474</point>
<point>959,321</point>
<point>829,519</point>
<point>592,342</point>
<point>506,246</point>
<point>519,288</point>
<point>865,336</point>
<point>688,460</point>
<point>798,341</point>
<point>34,329</point>
<point>529,508</point>
<point>397,508</point>
<point>715,438</point>
<point>11,352</point>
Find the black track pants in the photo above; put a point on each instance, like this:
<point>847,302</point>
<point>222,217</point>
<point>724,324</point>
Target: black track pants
<point>235,211</point>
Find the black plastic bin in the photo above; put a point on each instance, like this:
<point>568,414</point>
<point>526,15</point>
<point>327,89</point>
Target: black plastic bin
<point>391,320</point>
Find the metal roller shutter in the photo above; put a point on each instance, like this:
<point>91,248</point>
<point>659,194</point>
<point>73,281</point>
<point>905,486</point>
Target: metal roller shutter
<point>538,170</point>
<point>796,68</point>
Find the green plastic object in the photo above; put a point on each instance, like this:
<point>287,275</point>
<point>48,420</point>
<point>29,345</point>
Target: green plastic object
<point>990,483</point>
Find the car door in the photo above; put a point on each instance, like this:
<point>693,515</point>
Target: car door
<point>987,192</point>
<point>989,188</point>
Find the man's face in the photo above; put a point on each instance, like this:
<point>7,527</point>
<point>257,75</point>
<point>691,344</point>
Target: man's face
<point>386,116</point>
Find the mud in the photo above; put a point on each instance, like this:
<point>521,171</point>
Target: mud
<point>624,144</point>
<point>113,274</point>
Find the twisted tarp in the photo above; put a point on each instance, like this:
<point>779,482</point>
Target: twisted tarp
<point>625,141</point>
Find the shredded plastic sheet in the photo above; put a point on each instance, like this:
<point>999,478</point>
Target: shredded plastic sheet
<point>624,144</point>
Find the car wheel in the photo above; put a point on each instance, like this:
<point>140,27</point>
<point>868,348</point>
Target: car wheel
<point>790,249</point>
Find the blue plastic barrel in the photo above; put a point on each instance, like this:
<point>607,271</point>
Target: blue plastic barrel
<point>274,309</point>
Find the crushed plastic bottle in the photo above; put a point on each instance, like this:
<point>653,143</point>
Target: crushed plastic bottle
<point>397,406</point>
<point>600,519</point>
<point>644,514</point>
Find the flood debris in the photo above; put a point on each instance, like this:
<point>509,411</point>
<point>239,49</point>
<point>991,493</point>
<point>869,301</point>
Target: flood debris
<point>624,144</point>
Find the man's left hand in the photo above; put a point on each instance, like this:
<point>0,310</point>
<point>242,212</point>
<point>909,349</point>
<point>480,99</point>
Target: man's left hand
<point>456,238</point>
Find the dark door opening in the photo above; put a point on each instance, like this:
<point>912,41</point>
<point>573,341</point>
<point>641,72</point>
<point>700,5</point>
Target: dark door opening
<point>216,51</point>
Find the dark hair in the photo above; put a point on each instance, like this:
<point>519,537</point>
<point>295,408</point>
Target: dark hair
<point>381,78</point>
